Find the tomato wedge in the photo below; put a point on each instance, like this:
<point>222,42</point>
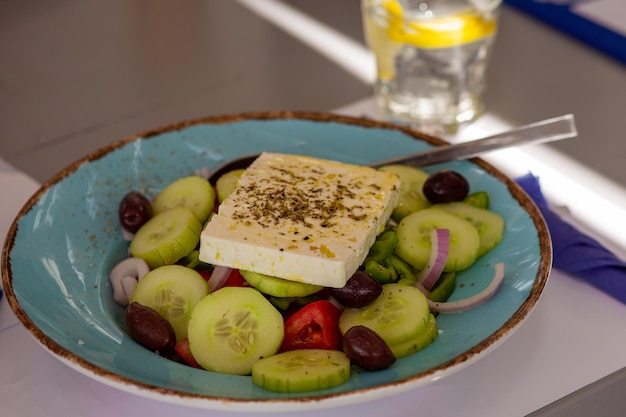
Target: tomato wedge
<point>314,326</point>
<point>182,348</point>
<point>235,279</point>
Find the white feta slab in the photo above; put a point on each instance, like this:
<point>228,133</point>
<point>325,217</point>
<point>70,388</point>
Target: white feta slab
<point>301,218</point>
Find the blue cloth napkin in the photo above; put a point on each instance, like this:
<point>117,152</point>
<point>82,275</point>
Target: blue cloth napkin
<point>576,253</point>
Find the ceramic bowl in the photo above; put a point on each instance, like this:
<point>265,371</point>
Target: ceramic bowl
<point>60,248</point>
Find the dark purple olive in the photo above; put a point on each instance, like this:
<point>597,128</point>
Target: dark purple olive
<point>135,209</point>
<point>360,290</point>
<point>148,328</point>
<point>445,186</point>
<point>365,348</point>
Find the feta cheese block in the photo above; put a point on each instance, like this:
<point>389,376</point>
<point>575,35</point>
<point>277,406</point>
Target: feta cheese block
<point>301,218</point>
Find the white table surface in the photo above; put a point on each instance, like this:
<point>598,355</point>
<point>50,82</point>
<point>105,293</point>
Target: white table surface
<point>573,337</point>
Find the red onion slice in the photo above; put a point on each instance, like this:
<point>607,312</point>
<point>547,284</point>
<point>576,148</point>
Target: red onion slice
<point>204,172</point>
<point>127,235</point>
<point>124,277</point>
<point>440,246</point>
<point>218,278</point>
<point>475,300</point>
<point>128,285</point>
<point>420,287</point>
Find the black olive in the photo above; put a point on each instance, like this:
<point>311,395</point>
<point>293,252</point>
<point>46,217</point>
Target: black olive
<point>445,186</point>
<point>134,210</point>
<point>365,348</point>
<point>148,328</point>
<point>360,290</point>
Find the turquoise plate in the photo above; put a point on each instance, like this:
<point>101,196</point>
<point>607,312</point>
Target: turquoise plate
<point>59,251</point>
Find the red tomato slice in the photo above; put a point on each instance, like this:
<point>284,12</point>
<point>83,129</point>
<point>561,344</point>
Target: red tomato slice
<point>314,326</point>
<point>235,279</point>
<point>182,348</point>
<point>206,274</point>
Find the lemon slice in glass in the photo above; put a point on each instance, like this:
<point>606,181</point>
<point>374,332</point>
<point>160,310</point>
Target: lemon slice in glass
<point>387,32</point>
<point>438,32</point>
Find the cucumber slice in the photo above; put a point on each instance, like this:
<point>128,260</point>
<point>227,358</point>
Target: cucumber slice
<point>400,313</point>
<point>302,370</point>
<point>226,183</point>
<point>478,199</point>
<point>279,287</point>
<point>166,237</point>
<point>411,198</point>
<point>173,291</point>
<point>490,225</point>
<point>418,343</point>
<point>414,238</point>
<point>192,192</point>
<point>232,328</point>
